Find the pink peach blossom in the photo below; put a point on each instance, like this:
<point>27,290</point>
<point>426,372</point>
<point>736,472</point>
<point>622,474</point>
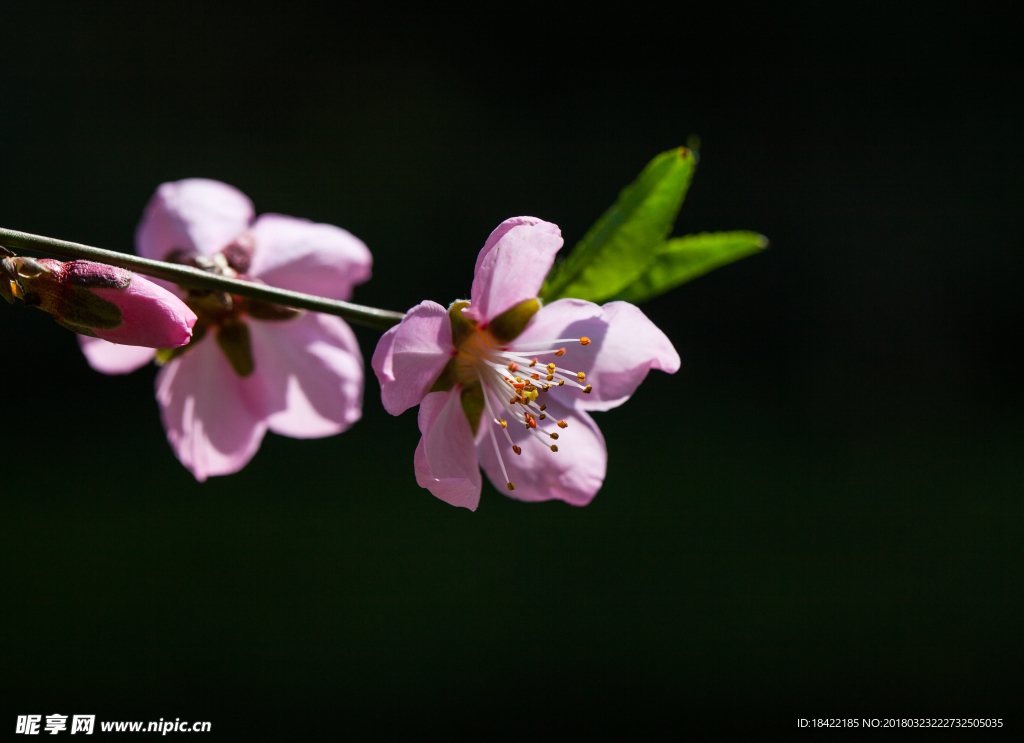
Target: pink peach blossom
<point>499,379</point>
<point>253,366</point>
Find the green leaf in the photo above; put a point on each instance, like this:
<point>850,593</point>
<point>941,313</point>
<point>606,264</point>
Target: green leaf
<point>621,244</point>
<point>683,259</point>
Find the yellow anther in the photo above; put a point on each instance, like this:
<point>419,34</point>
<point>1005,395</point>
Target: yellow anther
<point>524,401</point>
<point>554,436</point>
<point>562,424</point>
<point>513,400</point>
<point>581,376</point>
<point>560,352</point>
<point>554,448</point>
<point>516,449</point>
<point>561,382</point>
<point>543,407</point>
<point>587,389</point>
<point>503,422</point>
<point>511,486</point>
<point>549,377</point>
<point>584,341</point>
<point>551,367</point>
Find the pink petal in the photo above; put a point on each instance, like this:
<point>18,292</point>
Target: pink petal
<point>208,421</point>
<point>624,346</point>
<point>512,265</point>
<point>306,257</point>
<point>152,316</point>
<point>113,358</point>
<point>411,356</point>
<point>632,346</point>
<point>309,375</point>
<point>445,460</point>
<point>193,214</point>
<point>573,474</point>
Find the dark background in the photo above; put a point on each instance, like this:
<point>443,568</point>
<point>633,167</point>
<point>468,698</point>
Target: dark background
<point>820,515</point>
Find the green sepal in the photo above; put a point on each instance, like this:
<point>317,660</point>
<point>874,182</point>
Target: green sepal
<point>462,326</point>
<point>621,244</point>
<point>507,326</point>
<point>447,380</point>
<point>73,305</point>
<point>89,275</point>
<point>233,339</point>
<point>85,308</point>
<point>473,405</point>
<point>683,259</point>
<point>80,329</point>
<point>167,355</point>
<point>260,310</point>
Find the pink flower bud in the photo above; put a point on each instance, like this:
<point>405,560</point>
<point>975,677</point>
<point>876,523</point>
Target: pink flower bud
<point>101,301</point>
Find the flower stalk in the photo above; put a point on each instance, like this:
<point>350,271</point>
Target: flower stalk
<point>195,278</point>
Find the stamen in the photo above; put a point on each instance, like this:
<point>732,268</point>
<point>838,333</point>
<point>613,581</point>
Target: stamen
<point>554,340</point>
<point>496,367</point>
<point>494,439</point>
<point>587,389</point>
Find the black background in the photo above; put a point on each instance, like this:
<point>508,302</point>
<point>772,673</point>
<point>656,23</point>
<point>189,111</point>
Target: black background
<point>819,515</point>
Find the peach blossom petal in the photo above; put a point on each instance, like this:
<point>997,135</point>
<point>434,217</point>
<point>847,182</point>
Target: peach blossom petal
<point>307,257</point>
<point>512,266</point>
<point>309,375</point>
<point>445,460</point>
<point>573,474</point>
<point>192,214</point>
<point>209,423</point>
<point>624,346</point>
<point>113,358</point>
<point>411,355</point>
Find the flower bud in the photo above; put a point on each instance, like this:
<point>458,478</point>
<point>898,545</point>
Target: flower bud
<point>101,301</point>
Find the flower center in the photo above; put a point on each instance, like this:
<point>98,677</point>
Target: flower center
<point>512,379</point>
<point>223,311</point>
